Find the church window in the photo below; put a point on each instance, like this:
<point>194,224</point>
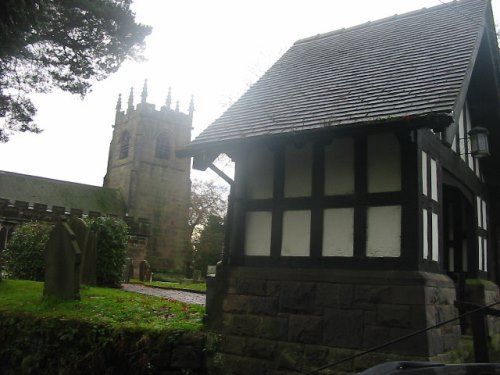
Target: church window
<point>162,150</point>
<point>124,145</point>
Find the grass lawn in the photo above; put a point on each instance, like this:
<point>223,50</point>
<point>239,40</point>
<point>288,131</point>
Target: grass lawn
<point>102,305</point>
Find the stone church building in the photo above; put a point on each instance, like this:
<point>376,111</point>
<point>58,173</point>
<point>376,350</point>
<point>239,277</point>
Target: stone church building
<point>146,183</point>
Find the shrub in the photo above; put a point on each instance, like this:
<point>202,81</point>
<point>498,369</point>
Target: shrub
<point>112,237</point>
<point>24,256</point>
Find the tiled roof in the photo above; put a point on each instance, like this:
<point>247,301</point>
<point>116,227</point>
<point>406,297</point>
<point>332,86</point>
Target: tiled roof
<point>406,66</point>
<point>33,189</point>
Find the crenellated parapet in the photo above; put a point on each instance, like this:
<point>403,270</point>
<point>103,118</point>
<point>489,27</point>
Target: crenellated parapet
<point>19,212</point>
<point>143,108</point>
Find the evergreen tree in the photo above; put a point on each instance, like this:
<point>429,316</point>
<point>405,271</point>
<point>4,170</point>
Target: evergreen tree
<point>208,248</point>
<point>65,44</point>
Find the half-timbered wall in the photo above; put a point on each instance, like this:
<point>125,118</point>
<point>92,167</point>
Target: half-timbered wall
<point>458,162</point>
<point>324,199</point>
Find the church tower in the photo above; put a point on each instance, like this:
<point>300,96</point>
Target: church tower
<point>154,182</point>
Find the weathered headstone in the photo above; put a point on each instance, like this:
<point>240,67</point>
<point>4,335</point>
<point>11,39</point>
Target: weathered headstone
<point>87,241</point>
<point>144,271</point>
<point>211,270</point>
<point>62,264</point>
<point>196,275</point>
<point>128,270</point>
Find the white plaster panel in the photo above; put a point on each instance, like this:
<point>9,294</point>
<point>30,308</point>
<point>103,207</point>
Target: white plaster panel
<point>260,171</point>
<point>339,167</point>
<point>298,171</point>
<point>384,163</point>
<point>485,256</point>
<point>296,233</point>
<point>434,182</point>
<point>258,233</point>
<point>383,231</point>
<point>480,252</point>
<point>479,216</point>
<point>338,232</point>
<point>435,237</point>
<point>483,207</point>
<point>425,231</point>
<point>424,173</point>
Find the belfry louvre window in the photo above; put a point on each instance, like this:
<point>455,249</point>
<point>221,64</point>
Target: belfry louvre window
<point>318,198</point>
<point>124,145</point>
<point>162,150</point>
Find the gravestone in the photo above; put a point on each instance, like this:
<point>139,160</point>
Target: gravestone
<point>144,271</point>
<point>87,241</point>
<point>62,264</point>
<point>197,275</point>
<point>128,270</point>
<point>211,270</point>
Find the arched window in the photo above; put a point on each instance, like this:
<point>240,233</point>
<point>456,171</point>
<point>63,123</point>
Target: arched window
<point>162,150</point>
<point>124,145</point>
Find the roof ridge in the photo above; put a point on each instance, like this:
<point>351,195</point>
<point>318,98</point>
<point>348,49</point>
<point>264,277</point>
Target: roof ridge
<point>383,20</point>
<point>16,174</point>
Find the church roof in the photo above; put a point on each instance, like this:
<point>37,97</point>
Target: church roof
<point>33,189</point>
<point>406,67</point>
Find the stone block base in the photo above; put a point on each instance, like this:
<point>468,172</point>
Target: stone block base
<point>297,320</point>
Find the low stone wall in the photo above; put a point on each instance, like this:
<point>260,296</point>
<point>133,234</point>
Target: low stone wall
<point>296,320</point>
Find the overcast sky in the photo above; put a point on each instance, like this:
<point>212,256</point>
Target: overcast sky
<point>212,49</point>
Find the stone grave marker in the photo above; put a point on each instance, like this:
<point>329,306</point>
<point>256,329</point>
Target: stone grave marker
<point>87,241</point>
<point>211,270</point>
<point>128,270</point>
<point>62,264</point>
<point>144,271</point>
<point>197,275</point>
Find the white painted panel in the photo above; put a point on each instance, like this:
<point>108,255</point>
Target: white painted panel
<point>384,163</point>
<point>425,233</point>
<point>258,233</point>
<point>434,182</point>
<point>338,232</point>
<point>339,167</point>
<point>478,213</point>
<point>383,231</point>
<point>435,237</point>
<point>480,252</point>
<point>260,170</point>
<point>424,173</point>
<point>296,233</point>
<point>298,171</point>
<point>454,144</point>
<point>485,256</point>
<point>485,222</point>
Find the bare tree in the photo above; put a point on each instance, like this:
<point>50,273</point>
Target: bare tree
<point>207,199</point>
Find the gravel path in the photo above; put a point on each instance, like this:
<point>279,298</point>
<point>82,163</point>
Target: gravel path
<point>178,295</point>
